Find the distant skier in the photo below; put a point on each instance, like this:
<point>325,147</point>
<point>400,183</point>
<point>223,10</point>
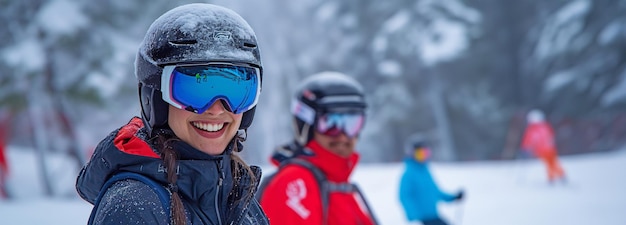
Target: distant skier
<point>4,165</point>
<point>419,193</point>
<point>538,140</point>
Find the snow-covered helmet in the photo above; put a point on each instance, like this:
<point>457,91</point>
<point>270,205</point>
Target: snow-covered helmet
<point>193,33</point>
<point>535,116</point>
<point>323,93</point>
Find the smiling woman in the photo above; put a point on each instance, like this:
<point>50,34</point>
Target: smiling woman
<point>199,76</point>
<point>209,132</point>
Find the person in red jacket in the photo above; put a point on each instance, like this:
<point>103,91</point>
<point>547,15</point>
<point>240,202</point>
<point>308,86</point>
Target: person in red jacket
<point>4,170</point>
<point>538,140</point>
<point>311,185</point>
<point>4,164</point>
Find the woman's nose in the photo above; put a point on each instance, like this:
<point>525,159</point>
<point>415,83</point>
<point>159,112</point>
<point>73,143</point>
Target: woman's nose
<point>216,109</point>
<point>342,137</point>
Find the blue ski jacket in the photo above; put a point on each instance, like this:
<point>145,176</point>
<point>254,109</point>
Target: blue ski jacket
<point>419,193</point>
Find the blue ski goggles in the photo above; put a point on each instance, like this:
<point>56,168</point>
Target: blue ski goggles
<point>421,154</point>
<point>333,124</point>
<point>195,87</point>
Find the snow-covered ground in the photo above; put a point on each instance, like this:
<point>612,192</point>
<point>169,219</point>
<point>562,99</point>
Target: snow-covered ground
<point>514,192</point>
<point>511,192</point>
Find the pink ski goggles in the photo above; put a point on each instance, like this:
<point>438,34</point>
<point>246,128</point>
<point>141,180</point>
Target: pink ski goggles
<point>333,124</point>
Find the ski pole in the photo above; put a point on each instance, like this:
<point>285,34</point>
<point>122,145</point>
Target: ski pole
<point>459,213</point>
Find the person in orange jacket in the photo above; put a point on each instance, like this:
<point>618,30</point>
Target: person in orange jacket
<point>538,140</point>
<point>311,185</point>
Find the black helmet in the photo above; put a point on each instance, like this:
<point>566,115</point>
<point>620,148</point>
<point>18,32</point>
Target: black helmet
<point>415,141</point>
<point>321,93</point>
<point>187,34</point>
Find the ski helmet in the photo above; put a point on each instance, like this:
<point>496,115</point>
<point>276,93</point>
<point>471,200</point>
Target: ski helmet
<point>416,147</point>
<point>323,93</point>
<point>535,116</point>
<point>415,141</point>
<point>192,33</point>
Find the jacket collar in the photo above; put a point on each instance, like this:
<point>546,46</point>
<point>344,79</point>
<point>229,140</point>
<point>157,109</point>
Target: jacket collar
<point>336,168</point>
<point>203,180</point>
<point>126,149</point>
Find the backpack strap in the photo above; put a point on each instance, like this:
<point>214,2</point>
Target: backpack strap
<point>327,187</point>
<point>319,175</point>
<point>322,182</point>
<point>367,205</point>
<point>320,178</point>
<point>160,190</point>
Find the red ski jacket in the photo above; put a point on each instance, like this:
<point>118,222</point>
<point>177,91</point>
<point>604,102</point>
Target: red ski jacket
<point>4,166</point>
<point>539,139</point>
<point>293,195</point>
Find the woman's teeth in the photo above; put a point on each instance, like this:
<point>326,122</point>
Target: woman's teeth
<point>208,127</point>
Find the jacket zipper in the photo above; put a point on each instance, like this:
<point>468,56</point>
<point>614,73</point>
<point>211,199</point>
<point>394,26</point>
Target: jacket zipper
<point>219,189</point>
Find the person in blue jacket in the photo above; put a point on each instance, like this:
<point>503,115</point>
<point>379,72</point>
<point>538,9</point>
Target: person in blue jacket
<point>419,193</point>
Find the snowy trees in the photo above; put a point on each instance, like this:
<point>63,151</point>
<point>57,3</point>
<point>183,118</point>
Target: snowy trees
<point>459,71</point>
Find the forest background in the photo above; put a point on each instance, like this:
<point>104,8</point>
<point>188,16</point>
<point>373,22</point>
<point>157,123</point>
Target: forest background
<point>461,72</point>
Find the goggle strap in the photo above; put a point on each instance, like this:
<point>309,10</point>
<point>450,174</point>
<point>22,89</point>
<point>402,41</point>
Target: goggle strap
<point>303,111</point>
<point>166,78</point>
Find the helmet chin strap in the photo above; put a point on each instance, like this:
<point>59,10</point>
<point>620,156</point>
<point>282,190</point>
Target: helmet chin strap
<point>154,111</point>
<point>302,135</point>
<point>247,118</point>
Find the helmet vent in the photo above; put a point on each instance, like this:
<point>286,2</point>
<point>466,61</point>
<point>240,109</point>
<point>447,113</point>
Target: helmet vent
<point>249,45</point>
<point>183,42</point>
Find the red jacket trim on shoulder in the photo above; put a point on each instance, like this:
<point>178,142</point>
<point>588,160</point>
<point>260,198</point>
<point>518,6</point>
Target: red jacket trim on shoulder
<point>127,142</point>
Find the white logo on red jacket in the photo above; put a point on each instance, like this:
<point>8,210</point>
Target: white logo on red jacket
<point>296,191</point>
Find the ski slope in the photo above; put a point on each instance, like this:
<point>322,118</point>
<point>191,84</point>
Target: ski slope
<point>513,192</point>
<point>506,192</point>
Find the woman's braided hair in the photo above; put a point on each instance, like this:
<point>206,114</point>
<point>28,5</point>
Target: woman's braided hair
<point>164,143</point>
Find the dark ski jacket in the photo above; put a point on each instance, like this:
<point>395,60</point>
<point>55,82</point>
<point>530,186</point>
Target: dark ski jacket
<point>209,192</point>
